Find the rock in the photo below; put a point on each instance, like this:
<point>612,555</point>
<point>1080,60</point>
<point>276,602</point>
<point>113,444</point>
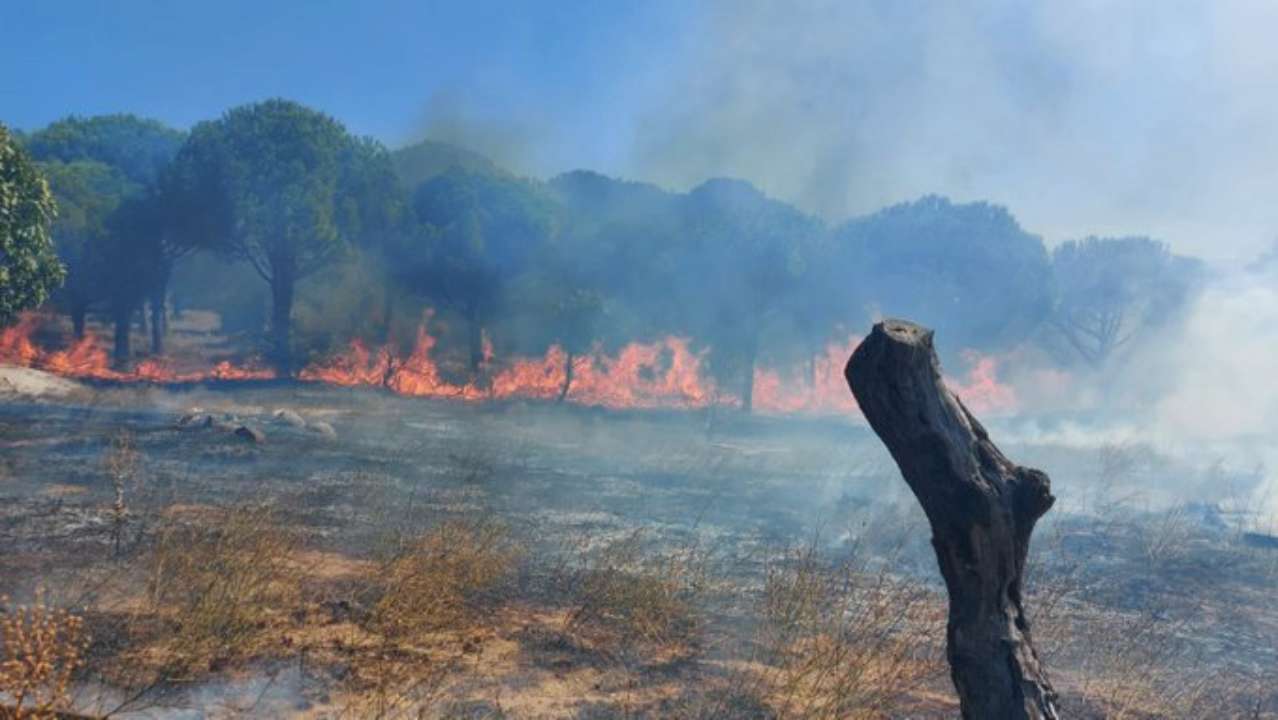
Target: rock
<point>196,420</point>
<point>322,428</point>
<point>250,434</point>
<point>289,417</point>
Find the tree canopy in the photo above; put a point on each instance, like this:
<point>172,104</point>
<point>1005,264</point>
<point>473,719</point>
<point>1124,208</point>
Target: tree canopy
<point>139,148</point>
<point>969,270</point>
<point>282,187</point>
<point>29,267</point>
<point>1111,289</point>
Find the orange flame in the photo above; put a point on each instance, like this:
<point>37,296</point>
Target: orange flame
<point>86,358</point>
<point>665,373</point>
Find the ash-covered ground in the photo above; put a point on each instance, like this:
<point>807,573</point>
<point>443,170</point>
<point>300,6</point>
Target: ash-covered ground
<point>1142,597</point>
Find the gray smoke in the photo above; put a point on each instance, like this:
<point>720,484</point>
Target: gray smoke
<point>1093,117</point>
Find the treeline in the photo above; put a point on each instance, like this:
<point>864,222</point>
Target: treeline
<point>347,238</point>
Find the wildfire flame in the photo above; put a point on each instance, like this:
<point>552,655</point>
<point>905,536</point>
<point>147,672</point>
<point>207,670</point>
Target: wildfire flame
<point>666,373</point>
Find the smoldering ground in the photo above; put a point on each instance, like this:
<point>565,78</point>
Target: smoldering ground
<point>722,508</point>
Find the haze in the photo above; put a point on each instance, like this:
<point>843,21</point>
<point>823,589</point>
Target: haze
<point>1083,118</point>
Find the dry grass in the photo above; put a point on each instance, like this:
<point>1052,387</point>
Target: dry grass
<point>845,641</point>
<point>425,604</point>
<point>41,648</point>
<point>217,586</point>
<point>625,596</point>
<point>435,581</point>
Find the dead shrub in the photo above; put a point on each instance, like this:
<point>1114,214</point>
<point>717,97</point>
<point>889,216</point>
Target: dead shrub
<point>41,648</point>
<point>845,641</point>
<point>219,584</point>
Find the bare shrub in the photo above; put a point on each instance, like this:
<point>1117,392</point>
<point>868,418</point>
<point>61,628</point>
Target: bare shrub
<point>1165,535</point>
<point>41,648</point>
<point>219,585</point>
<point>845,641</point>
<point>1136,666</point>
<point>624,594</point>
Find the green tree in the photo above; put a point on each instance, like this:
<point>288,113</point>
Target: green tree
<point>751,257</point>
<point>87,193</point>
<point>95,165</point>
<point>1111,289</point>
<point>968,270</point>
<point>139,148</point>
<point>476,234</point>
<point>29,267</point>
<point>268,183</point>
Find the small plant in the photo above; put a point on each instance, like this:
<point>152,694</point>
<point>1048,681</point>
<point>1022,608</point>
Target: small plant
<point>40,650</point>
<point>121,464</point>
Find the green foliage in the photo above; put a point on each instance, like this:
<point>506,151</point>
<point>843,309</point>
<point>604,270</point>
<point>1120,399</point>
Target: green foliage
<point>88,192</point>
<point>137,147</point>
<point>29,267</point>
<point>97,166</point>
<point>475,235</point>
<point>969,271</point>
<point>284,188</point>
<point>417,163</point>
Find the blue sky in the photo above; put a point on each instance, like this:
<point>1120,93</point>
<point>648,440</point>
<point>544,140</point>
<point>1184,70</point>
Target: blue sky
<point>1108,117</point>
<point>393,70</point>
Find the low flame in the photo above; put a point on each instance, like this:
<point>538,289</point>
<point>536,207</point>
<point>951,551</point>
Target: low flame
<point>665,373</point>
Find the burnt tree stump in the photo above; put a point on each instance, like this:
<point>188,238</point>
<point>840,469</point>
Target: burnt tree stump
<point>982,508</point>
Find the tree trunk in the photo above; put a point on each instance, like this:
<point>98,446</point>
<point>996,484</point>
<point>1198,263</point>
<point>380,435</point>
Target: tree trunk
<point>982,508</point>
<point>475,344</point>
<point>563,391</point>
<point>159,316</point>
<point>159,326</point>
<point>78,312</point>
<point>747,382</point>
<point>281,323</point>
<point>388,314</point>
<point>123,327</point>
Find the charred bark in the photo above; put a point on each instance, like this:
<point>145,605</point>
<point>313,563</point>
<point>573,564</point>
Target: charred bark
<point>78,312</point>
<point>569,360</point>
<point>282,322</point>
<point>123,320</point>
<point>159,325</point>
<point>982,508</point>
<point>475,346</point>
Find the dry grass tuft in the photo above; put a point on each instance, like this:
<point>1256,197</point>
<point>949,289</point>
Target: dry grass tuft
<point>41,648</point>
<point>219,585</point>
<point>624,595</point>
<point>435,581</point>
<point>845,641</point>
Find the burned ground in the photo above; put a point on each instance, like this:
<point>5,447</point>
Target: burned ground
<point>450,559</point>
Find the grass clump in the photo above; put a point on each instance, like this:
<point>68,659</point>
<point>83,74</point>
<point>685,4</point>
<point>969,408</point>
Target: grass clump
<point>220,584</point>
<point>844,641</point>
<point>625,594</point>
<point>437,580</point>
